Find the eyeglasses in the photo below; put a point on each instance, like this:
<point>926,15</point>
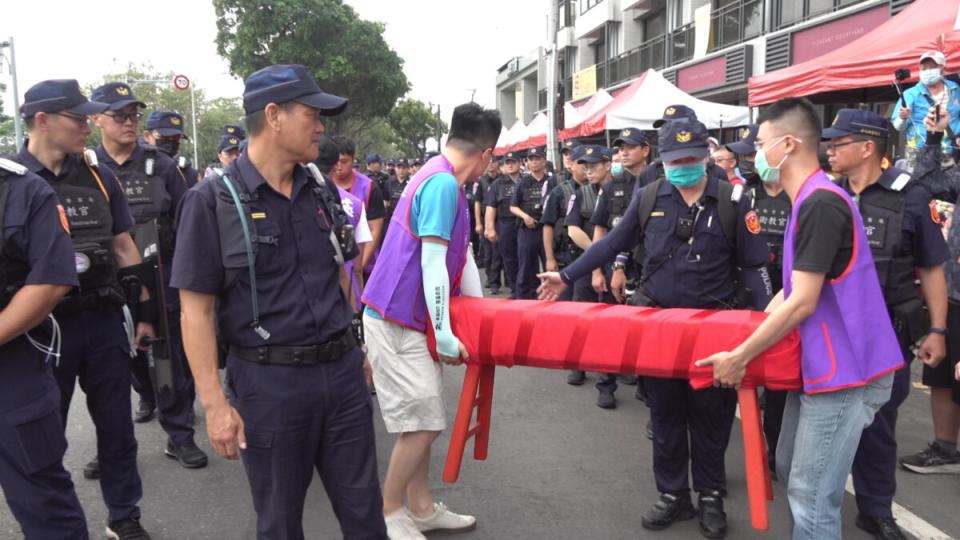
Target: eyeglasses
<point>78,120</point>
<point>122,118</point>
<point>832,146</point>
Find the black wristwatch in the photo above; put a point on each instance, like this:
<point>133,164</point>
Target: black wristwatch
<point>938,330</point>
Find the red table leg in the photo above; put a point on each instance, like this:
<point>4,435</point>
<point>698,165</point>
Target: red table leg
<point>461,425</point>
<point>484,408</point>
<point>758,479</point>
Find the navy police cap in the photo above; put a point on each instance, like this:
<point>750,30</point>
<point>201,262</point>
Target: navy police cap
<point>857,122</point>
<point>228,142</point>
<point>117,95</point>
<point>683,139</point>
<point>282,83</point>
<point>675,112</point>
<point>167,123</point>
<point>233,130</point>
<point>747,143</point>
<point>58,95</point>
<point>633,137</point>
<point>594,153</point>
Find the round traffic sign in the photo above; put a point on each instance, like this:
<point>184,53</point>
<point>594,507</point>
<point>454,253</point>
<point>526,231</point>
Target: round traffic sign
<point>181,82</point>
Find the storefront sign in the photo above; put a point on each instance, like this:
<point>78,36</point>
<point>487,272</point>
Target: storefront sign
<point>813,42</point>
<point>703,75</point>
<point>584,83</point>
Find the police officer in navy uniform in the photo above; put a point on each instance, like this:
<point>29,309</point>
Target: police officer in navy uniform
<point>557,245</point>
<point>95,348</point>
<point>395,187</point>
<point>501,225</point>
<point>490,259</point>
<point>696,240</point>
<point>228,150</point>
<point>580,230</point>
<point>164,130</point>
<point>653,172</point>
<point>154,186</point>
<point>374,171</point>
<point>527,206</point>
<point>905,238</point>
<point>298,401</point>
<point>37,268</point>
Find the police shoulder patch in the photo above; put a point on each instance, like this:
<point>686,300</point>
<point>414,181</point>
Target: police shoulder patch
<point>935,213</point>
<point>64,222</point>
<point>752,221</point>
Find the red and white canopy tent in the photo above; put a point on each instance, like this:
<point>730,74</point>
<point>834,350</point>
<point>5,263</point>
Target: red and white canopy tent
<point>870,60</point>
<point>535,134</point>
<point>509,136</point>
<point>642,103</point>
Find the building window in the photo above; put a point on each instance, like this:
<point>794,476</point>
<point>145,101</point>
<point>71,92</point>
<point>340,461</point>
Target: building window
<point>655,25</point>
<point>568,13</point>
<point>790,12</point>
<point>587,5</point>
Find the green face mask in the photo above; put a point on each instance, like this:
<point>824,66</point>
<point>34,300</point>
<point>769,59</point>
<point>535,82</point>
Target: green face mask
<point>684,176</point>
<point>767,173</point>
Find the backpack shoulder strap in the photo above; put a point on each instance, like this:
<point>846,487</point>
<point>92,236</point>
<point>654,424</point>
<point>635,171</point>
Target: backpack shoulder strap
<point>727,209</point>
<point>648,199</point>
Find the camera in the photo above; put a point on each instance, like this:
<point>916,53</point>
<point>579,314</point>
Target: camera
<point>901,74</point>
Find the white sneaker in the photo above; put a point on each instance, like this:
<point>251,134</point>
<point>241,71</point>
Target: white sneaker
<point>444,520</point>
<point>401,527</point>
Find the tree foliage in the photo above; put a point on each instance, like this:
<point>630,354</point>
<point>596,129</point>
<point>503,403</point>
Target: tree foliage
<point>8,143</point>
<point>413,123</point>
<point>347,55</point>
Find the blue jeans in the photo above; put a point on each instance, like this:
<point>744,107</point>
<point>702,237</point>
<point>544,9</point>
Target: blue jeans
<point>818,440</point>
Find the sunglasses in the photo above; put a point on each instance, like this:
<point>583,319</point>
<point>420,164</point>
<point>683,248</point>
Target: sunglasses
<point>122,118</point>
<point>78,120</point>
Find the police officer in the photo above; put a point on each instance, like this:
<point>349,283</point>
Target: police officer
<point>298,400</point>
<point>501,225</point>
<point>557,245</point>
<point>233,130</point>
<point>489,252</point>
<point>165,131</point>
<point>905,238</point>
<point>527,206</point>
<point>154,187</point>
<point>580,229</point>
<point>695,238</point>
<point>395,187</point>
<point>472,191</point>
<point>772,206</point>
<point>654,171</point>
<point>415,165</point>
<point>228,150</point>
<point>391,168</point>
<point>375,172</point>
<point>95,349</point>
<point>38,269</point>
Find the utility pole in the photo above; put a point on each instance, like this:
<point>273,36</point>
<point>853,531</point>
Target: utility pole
<point>12,60</point>
<point>439,134</point>
<point>553,26</point>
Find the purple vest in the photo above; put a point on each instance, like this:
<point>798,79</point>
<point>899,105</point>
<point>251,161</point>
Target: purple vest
<point>395,290</point>
<point>849,340</point>
<point>352,207</point>
<point>361,190</point>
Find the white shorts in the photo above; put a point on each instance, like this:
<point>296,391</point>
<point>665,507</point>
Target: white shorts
<point>409,383</point>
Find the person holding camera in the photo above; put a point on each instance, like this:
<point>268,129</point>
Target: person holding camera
<point>695,238</point>
<point>931,92</point>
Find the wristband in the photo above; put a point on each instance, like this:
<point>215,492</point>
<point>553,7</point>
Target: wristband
<point>938,330</point>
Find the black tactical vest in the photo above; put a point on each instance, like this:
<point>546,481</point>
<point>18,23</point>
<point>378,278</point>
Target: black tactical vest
<point>533,195</point>
<point>13,265</point>
<point>86,201</point>
<point>561,239</point>
<point>773,213</point>
<point>882,211</point>
<point>394,191</point>
<point>505,189</point>
<point>148,198</point>
<point>589,195</point>
<point>621,187</point>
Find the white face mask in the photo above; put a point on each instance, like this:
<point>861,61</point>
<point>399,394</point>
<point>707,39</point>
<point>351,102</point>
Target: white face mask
<point>930,77</point>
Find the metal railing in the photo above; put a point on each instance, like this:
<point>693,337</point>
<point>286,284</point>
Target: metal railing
<point>806,12</point>
<point>732,24</point>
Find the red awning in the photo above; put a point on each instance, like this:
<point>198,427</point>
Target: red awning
<point>870,60</point>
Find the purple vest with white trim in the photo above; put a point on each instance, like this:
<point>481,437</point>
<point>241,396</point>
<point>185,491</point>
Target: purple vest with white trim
<point>849,340</point>
<point>395,290</point>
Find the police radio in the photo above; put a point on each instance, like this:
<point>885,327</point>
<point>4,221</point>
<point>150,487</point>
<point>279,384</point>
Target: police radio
<point>342,234</point>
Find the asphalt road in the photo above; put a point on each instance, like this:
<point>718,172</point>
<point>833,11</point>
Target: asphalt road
<point>558,468</point>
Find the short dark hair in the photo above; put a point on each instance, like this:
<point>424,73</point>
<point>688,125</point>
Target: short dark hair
<point>29,121</point>
<point>801,117</point>
<point>329,154</point>
<point>881,144</point>
<point>474,128</point>
<point>257,120</point>
<point>346,145</point>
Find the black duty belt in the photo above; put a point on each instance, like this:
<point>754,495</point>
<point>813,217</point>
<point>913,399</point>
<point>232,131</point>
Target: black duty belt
<point>88,302</point>
<point>306,355</point>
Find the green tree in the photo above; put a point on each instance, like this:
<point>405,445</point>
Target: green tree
<point>8,142</point>
<point>347,55</point>
<point>414,122</point>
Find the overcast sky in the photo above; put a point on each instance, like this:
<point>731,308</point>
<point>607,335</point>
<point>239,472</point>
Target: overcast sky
<point>450,47</point>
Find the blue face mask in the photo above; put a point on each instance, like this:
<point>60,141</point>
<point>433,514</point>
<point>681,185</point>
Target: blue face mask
<point>684,176</point>
<point>616,168</point>
<point>930,77</point>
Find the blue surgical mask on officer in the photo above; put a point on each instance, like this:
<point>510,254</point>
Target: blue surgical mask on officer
<point>687,175</point>
<point>930,77</point>
<point>616,168</point>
